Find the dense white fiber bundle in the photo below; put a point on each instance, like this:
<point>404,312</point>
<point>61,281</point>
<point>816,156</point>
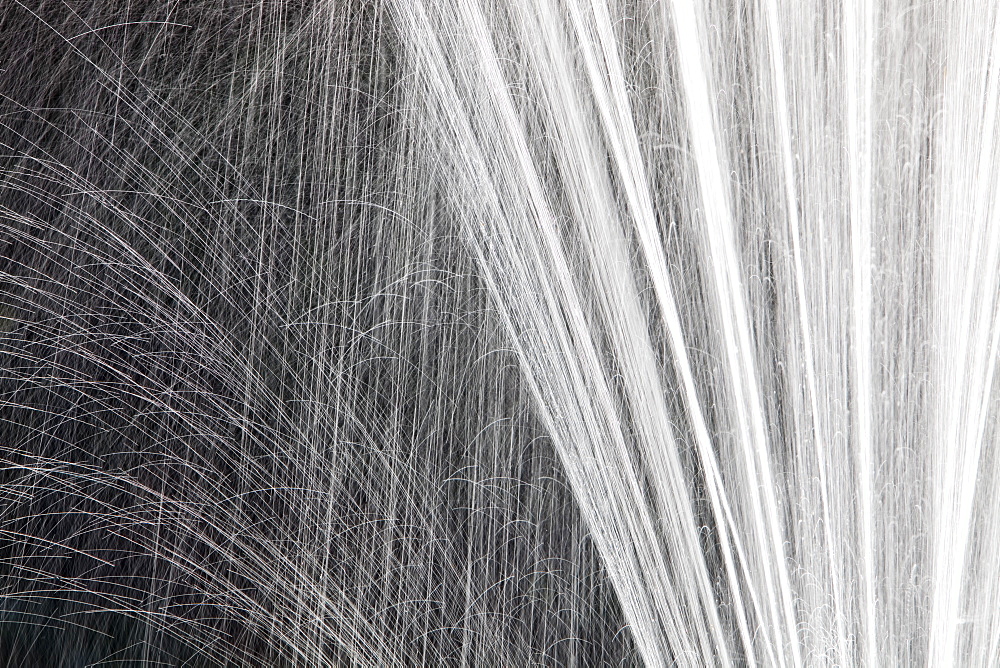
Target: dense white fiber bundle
<point>499,333</point>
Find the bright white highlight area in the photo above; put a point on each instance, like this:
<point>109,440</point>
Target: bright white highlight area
<point>748,256</point>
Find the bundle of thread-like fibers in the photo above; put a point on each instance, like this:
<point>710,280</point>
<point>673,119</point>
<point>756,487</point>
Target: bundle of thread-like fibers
<point>499,333</point>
